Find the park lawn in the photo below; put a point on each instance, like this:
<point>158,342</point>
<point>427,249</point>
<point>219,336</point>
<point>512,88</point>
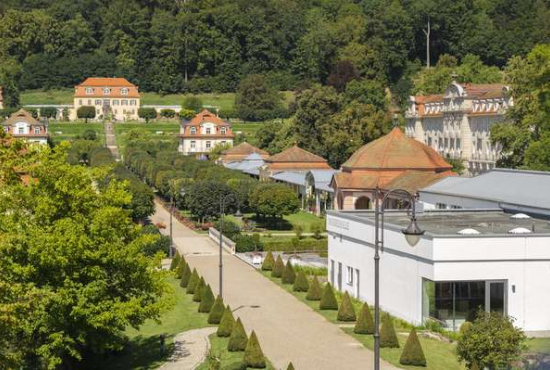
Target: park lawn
<point>70,130</point>
<point>227,360</point>
<point>439,355</point>
<point>170,130</point>
<point>539,345</point>
<point>55,96</point>
<point>302,218</point>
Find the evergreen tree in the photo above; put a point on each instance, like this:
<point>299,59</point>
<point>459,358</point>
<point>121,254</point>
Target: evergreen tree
<point>289,275</point>
<point>197,295</point>
<point>269,262</point>
<point>192,281</point>
<point>301,284</point>
<point>328,300</point>
<point>314,291</point>
<point>388,338</point>
<point>253,354</point>
<point>290,366</point>
<point>180,268</point>
<point>226,324</point>
<point>207,300</point>
<point>346,312</point>
<point>175,260</point>
<point>365,323</point>
<point>186,276</point>
<point>279,267</point>
<point>238,339</point>
<point>412,353</point>
<point>217,311</point>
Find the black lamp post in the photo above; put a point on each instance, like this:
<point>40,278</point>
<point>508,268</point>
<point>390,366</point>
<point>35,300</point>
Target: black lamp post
<point>412,235</point>
<point>172,204</point>
<point>223,200</point>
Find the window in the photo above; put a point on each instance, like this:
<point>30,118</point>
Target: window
<point>193,144</point>
<point>6,128</point>
<point>193,130</point>
<point>98,102</point>
<point>116,111</point>
<point>452,143</point>
<point>116,102</point>
<point>20,130</point>
<point>89,90</point>
<point>440,206</point>
<point>37,130</point>
<point>446,142</point>
<point>106,91</point>
<point>223,130</point>
<point>223,142</point>
<point>458,143</point>
<point>89,101</point>
<point>124,102</point>
<point>350,275</point>
<point>124,91</point>
<point>479,145</point>
<point>429,141</point>
<point>208,130</point>
<point>79,101</point>
<point>208,144</point>
<point>132,102</point>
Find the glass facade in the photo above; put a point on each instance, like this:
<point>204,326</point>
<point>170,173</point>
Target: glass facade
<point>451,303</point>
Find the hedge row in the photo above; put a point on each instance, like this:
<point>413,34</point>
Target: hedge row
<point>304,245</point>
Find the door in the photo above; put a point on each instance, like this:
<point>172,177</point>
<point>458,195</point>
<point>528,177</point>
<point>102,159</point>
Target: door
<point>496,297</point>
<point>339,276</point>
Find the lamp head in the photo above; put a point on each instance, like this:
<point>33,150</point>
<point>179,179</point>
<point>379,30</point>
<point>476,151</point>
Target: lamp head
<point>413,232</point>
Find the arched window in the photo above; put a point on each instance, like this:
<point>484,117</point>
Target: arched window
<point>362,203</point>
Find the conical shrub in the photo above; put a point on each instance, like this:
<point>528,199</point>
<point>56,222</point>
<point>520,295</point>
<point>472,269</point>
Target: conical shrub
<point>474,366</point>
<point>289,275</point>
<point>180,268</point>
<point>253,354</point>
<point>314,292</point>
<point>346,312</point>
<point>365,323</point>
<point>269,262</point>
<point>197,295</point>
<point>278,268</point>
<point>226,323</point>
<point>412,353</point>
<point>388,338</point>
<point>185,276</point>
<point>328,300</point>
<point>193,282</point>
<point>175,261</point>
<point>207,300</point>
<point>290,366</point>
<point>217,311</point>
<point>238,339</point>
<point>301,284</point>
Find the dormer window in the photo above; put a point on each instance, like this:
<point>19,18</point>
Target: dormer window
<point>193,130</point>
<point>106,91</point>
<point>37,130</point>
<point>208,130</point>
<point>124,91</point>
<point>223,130</point>
<point>89,90</point>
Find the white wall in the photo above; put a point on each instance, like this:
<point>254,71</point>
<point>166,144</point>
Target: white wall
<point>200,145</point>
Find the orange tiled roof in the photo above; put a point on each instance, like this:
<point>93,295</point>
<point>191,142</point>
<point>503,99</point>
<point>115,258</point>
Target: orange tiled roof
<point>116,85</point>
<point>244,148</point>
<point>295,154</point>
<point>484,91</point>
<point>107,81</point>
<point>24,116</point>
<point>396,151</point>
<point>206,116</point>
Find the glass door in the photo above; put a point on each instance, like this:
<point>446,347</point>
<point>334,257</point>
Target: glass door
<point>496,299</point>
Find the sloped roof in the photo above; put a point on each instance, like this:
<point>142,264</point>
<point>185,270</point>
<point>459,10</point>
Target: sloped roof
<point>396,151</point>
<point>206,116</point>
<point>106,82</point>
<point>297,178</point>
<point>295,154</point>
<point>412,181</point>
<point>244,148</point>
<point>22,116</point>
<point>252,161</point>
<point>484,91</point>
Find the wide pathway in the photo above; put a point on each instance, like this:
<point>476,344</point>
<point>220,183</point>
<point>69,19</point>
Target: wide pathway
<point>288,330</point>
<point>190,349</point>
<point>110,139</point>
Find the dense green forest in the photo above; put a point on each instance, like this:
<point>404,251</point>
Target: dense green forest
<point>209,45</point>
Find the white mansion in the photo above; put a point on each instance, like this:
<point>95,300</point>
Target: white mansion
<point>458,123</point>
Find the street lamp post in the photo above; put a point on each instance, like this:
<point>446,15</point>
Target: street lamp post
<point>412,235</point>
<point>172,206</point>
<point>223,200</point>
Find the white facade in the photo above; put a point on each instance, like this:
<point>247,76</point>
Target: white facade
<point>518,264</point>
<point>203,133</point>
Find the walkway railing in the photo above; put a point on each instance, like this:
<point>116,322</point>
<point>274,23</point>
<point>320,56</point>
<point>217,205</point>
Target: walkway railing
<point>227,244</point>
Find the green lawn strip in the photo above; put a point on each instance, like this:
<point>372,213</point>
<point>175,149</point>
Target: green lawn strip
<point>302,218</point>
<point>170,130</point>
<point>228,360</point>
<point>57,96</point>
<point>439,355</point>
<point>70,130</point>
<point>539,345</point>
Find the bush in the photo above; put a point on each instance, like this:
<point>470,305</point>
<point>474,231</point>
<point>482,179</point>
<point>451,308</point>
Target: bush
<point>181,268</point>
<point>238,339</point>
<point>253,354</point>
<point>328,300</point>
<point>185,276</point>
<point>175,261</point>
<point>289,276</point>
<point>48,112</point>
<point>365,323</point>
<point>388,338</point>
<point>269,262</point>
<point>89,135</point>
<point>217,311</point>
<point>301,284</point>
<point>201,285</point>
<point>85,112</point>
<point>101,157</point>
<point>230,229</point>
<point>346,312</point>
<point>279,268</point>
<point>207,300</point>
<point>193,280</point>
<point>147,114</point>
<point>245,243</point>
<point>226,323</point>
<point>298,230</point>
<point>412,353</point>
<point>290,366</point>
<point>314,291</point>
<point>167,113</point>
<point>316,229</point>
<point>193,103</point>
<point>276,245</point>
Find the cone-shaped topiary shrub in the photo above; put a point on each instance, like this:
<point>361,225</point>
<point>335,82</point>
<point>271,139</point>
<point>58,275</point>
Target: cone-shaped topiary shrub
<point>175,261</point>
<point>238,338</point>
<point>388,338</point>
<point>216,312</point>
<point>269,262</point>
<point>290,367</point>
<point>207,300</point>
<point>365,323</point>
<point>226,323</point>
<point>278,268</point>
<point>185,276</point>
<point>253,354</point>
<point>328,300</point>
<point>289,275</point>
<point>180,268</point>
<point>301,284</point>
<point>192,282</point>
<point>197,295</point>
<point>314,292</point>
<point>412,353</point>
<point>346,312</point>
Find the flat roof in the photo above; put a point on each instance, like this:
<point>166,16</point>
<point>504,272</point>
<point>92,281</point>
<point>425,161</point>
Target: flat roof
<point>450,222</point>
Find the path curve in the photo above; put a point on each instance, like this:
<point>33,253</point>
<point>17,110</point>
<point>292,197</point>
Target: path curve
<point>190,349</point>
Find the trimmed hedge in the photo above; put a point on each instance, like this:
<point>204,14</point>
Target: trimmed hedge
<point>275,245</point>
<point>193,280</point>
<point>180,268</point>
<point>186,276</point>
<point>269,262</point>
<point>175,261</point>
<point>388,338</point>
<point>365,323</point>
<point>238,339</point>
<point>207,300</point>
<point>290,366</point>
<point>253,354</point>
<point>412,353</point>
<point>346,311</point>
<point>289,276</point>
<point>226,323</point>
<point>301,284</point>
<point>279,268</point>
<point>201,285</point>
<point>217,311</point>
<point>314,292</point>
<point>328,300</point>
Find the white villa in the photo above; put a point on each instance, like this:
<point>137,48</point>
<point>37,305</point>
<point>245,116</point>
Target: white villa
<point>22,125</point>
<point>205,131</point>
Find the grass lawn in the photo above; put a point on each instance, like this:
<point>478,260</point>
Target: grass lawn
<point>227,360</point>
<point>302,218</point>
<point>169,130</point>
<point>439,355</point>
<point>69,130</point>
<point>539,345</point>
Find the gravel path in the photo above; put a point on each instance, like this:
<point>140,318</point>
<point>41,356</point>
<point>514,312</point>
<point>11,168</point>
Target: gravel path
<point>190,349</point>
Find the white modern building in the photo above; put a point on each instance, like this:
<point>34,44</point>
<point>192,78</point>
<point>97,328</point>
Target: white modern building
<point>466,261</point>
